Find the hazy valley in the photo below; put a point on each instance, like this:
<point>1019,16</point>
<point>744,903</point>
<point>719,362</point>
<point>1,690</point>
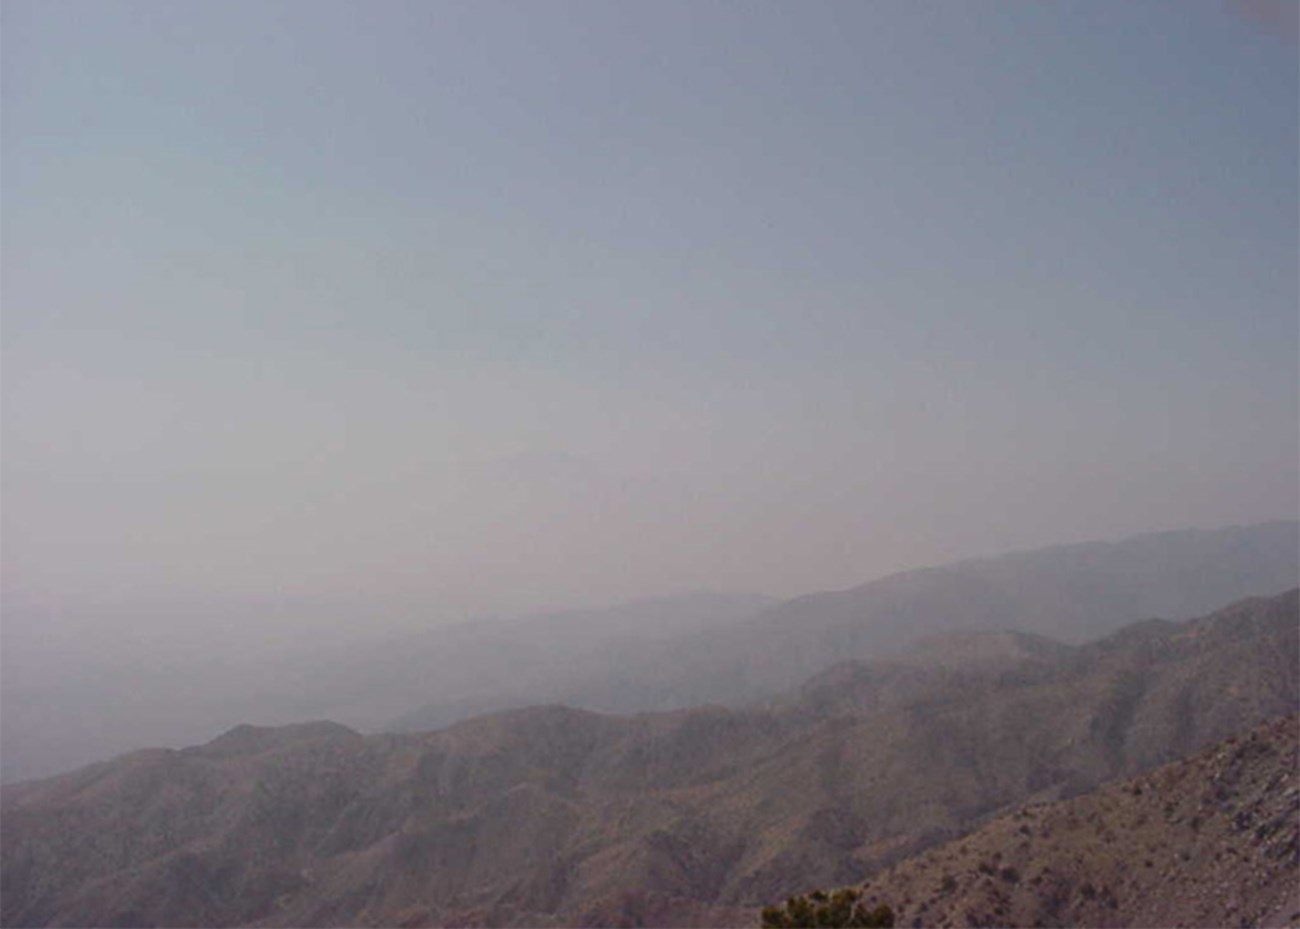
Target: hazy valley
<point>665,653</point>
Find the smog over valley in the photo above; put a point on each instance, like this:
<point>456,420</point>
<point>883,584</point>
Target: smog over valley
<point>556,463</point>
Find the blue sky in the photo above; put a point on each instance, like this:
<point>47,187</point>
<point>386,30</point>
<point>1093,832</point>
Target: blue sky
<point>487,306</point>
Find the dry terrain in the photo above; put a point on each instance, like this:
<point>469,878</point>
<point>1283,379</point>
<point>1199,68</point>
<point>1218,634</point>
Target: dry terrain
<point>555,816</point>
<point>1213,840</point>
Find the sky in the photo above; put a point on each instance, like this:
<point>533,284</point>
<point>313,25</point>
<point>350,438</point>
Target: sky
<point>436,310</point>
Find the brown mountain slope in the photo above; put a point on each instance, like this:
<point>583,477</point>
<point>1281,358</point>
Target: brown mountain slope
<point>1209,841</point>
<point>554,816</point>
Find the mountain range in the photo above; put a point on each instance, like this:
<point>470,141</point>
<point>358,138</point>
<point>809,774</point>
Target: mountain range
<point>1072,592</point>
<point>66,700</point>
<point>553,815</point>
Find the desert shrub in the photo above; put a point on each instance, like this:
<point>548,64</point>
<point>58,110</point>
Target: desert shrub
<point>841,910</point>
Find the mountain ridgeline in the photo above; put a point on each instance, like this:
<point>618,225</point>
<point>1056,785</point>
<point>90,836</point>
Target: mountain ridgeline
<point>553,816</point>
<point>62,709</point>
<point>1073,593</point>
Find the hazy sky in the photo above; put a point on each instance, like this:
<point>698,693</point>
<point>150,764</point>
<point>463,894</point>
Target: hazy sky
<point>482,306</point>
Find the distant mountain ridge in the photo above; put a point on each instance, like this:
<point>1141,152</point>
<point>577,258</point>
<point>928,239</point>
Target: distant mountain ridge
<point>1072,593</point>
<point>53,724</point>
<point>657,654</point>
<point>552,816</point>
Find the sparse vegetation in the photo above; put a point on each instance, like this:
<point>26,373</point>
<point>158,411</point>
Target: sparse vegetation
<point>843,908</point>
<point>1133,865</point>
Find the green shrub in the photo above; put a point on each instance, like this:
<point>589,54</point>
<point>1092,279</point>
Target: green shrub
<point>841,910</point>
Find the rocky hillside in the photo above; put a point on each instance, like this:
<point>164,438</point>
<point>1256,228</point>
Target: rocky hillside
<point>1213,840</point>
<point>556,816</point>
